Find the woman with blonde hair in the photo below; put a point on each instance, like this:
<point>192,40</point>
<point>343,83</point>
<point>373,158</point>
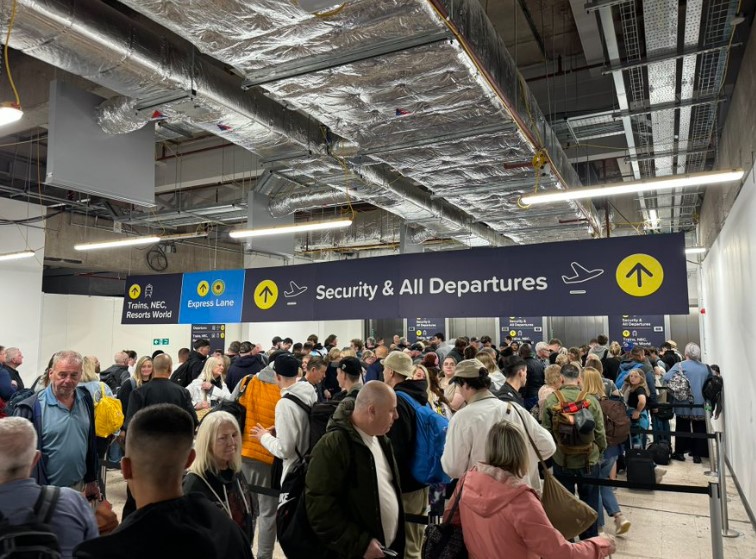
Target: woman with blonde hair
<point>331,381</point>
<point>502,516</point>
<point>595,385</point>
<point>497,377</point>
<point>208,388</point>
<point>216,470</point>
<point>636,392</point>
<point>552,382</point>
<point>142,374</point>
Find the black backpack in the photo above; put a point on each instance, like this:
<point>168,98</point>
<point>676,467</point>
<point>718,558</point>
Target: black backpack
<point>712,390</point>
<point>33,539</point>
<point>320,415</point>
<point>19,396</point>
<point>181,375</point>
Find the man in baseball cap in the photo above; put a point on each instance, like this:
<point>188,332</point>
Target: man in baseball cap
<point>397,373</point>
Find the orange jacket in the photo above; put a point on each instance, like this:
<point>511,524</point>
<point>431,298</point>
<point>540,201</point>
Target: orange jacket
<point>259,399</point>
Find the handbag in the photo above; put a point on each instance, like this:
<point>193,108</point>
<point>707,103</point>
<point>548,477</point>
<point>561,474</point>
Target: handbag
<point>445,540</point>
<point>567,513</point>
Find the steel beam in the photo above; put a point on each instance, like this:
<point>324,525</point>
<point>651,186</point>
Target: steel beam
<point>668,106</point>
<point>598,4</point>
<point>648,157</point>
<point>663,56</point>
<point>330,60</point>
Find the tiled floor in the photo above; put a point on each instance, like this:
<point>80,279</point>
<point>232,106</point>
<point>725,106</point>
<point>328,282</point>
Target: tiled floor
<point>664,525</point>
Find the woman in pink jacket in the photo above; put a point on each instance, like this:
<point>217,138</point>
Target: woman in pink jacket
<point>502,516</point>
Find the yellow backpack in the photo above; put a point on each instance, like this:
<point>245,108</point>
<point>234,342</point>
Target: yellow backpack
<point>108,414</point>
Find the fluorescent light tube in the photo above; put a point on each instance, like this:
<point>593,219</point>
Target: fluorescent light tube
<point>299,228</point>
<point>133,241</point>
<point>695,250</point>
<point>17,255</point>
<point>664,183</point>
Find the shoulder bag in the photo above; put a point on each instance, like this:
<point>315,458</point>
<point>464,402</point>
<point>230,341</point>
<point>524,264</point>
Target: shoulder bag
<point>567,513</point>
<point>445,540</point>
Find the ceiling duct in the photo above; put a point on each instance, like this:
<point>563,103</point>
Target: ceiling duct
<point>391,77</point>
<point>436,100</point>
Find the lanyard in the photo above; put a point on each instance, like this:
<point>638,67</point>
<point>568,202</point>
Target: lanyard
<point>224,502</point>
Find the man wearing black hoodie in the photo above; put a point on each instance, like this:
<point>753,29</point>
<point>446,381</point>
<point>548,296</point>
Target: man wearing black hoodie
<point>397,373</point>
<point>197,357</point>
<point>249,362</point>
<point>113,374</point>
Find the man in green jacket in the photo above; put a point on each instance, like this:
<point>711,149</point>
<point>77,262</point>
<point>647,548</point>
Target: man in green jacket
<point>352,491</point>
<point>581,460</point>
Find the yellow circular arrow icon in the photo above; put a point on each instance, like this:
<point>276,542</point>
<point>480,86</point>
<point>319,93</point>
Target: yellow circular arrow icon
<point>203,288</point>
<point>626,333</point>
<point>135,291</point>
<point>640,275</point>
<point>266,294</point>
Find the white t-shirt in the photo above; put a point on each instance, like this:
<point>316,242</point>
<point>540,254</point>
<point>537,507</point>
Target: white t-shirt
<point>389,504</point>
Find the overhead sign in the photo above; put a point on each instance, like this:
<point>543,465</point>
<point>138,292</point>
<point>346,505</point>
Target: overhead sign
<point>424,328</point>
<point>208,297</point>
<point>644,274</point>
<point>152,299</point>
<point>215,333</point>
<point>521,328</point>
<point>644,331</point>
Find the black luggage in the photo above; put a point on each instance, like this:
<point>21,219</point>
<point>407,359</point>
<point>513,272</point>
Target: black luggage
<point>640,466</point>
<point>661,452</point>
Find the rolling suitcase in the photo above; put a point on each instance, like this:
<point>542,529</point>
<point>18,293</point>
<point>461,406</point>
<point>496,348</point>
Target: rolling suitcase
<point>640,466</point>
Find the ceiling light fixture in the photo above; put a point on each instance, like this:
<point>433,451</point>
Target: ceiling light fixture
<point>664,183</point>
<point>653,218</point>
<point>17,255</point>
<point>10,111</point>
<point>299,228</point>
<point>695,250</point>
<point>132,241</point>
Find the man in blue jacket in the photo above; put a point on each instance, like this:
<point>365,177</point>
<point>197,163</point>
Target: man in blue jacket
<point>65,429</point>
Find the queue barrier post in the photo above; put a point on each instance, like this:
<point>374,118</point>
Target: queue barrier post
<point>727,532</point>
<point>715,512</point>
<point>713,446</point>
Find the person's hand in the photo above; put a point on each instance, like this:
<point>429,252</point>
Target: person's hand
<point>206,386</point>
<point>607,545</point>
<point>107,521</point>
<point>14,384</point>
<point>373,550</point>
<point>327,394</point>
<point>202,405</point>
<point>258,431</point>
<point>636,415</point>
<point>92,490</point>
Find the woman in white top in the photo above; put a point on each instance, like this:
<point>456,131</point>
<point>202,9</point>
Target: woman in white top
<point>208,388</point>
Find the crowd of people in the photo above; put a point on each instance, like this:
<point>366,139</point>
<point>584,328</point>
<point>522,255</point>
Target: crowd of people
<point>207,441</point>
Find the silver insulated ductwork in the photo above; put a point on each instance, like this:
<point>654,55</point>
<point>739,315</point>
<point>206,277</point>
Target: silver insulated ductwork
<point>380,100</point>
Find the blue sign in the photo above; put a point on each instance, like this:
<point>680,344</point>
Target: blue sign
<point>521,328</point>
<point>210,297</point>
<point>424,328</point>
<point>606,276</point>
<point>644,331</point>
<point>152,299</point>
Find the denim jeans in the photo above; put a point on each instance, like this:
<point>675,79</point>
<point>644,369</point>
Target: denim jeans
<point>663,426</point>
<point>589,494</point>
<point>608,501</point>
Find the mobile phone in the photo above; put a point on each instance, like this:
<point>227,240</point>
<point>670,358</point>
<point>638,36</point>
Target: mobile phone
<point>389,552</point>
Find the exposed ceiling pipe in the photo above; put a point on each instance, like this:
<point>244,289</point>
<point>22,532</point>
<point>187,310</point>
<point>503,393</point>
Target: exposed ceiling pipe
<point>292,203</point>
<point>90,39</point>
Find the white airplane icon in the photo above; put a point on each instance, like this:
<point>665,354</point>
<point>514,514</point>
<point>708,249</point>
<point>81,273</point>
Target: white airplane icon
<point>294,290</point>
<point>581,274</point>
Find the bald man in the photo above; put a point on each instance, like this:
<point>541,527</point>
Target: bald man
<point>369,515</point>
<point>166,523</point>
<point>71,519</point>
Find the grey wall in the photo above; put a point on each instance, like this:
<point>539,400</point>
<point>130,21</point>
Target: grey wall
<point>575,330</point>
<point>684,328</point>
<point>472,327</point>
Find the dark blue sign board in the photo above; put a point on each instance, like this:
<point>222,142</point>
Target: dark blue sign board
<point>152,299</point>
<point>606,276</point>
<point>215,333</point>
<point>645,331</point>
<point>424,328</point>
<point>521,328</point>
